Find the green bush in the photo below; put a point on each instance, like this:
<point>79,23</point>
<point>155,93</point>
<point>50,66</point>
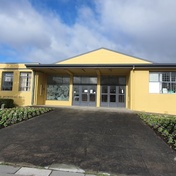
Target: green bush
<point>11,116</point>
<point>165,125</point>
<point>8,103</point>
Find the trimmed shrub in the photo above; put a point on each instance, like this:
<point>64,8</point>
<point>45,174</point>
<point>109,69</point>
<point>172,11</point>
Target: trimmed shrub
<point>164,125</point>
<point>8,103</point>
<point>11,116</point>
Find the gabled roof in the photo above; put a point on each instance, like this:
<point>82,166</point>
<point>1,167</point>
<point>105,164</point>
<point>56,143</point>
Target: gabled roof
<point>103,56</point>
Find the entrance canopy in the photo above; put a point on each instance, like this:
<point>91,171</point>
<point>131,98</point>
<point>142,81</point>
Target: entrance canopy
<point>101,61</point>
<point>81,69</point>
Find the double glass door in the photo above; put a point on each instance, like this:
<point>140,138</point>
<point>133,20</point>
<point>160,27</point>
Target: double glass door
<point>84,95</point>
<point>112,96</point>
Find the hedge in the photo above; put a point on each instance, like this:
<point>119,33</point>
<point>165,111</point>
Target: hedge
<point>8,103</point>
<point>164,125</point>
<point>9,116</point>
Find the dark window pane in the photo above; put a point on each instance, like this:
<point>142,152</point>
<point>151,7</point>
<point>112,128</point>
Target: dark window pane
<point>104,98</point>
<point>92,97</point>
<point>173,77</point>
<point>104,80</point>
<point>113,80</point>
<point>121,98</point>
<point>112,98</point>
<point>85,80</point>
<point>84,97</point>
<point>7,81</point>
<point>165,76</point>
<point>104,89</point>
<point>109,80</point>
<point>113,89</point>
<point>122,80</point>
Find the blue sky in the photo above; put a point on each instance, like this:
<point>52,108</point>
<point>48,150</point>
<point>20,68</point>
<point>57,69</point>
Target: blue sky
<point>47,31</point>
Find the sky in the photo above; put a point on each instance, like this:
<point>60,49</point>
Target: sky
<point>47,31</point>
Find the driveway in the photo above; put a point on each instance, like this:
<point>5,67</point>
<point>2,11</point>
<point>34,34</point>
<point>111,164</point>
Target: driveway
<point>112,141</point>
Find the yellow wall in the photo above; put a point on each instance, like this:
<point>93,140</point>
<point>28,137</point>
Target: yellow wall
<point>142,100</point>
<point>21,98</point>
<point>137,91</point>
<point>40,88</point>
<point>103,56</point>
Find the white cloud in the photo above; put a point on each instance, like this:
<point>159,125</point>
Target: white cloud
<point>150,26</point>
<point>141,28</point>
<point>43,37</point>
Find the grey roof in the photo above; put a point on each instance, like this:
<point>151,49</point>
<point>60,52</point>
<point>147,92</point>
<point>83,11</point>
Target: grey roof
<point>154,65</point>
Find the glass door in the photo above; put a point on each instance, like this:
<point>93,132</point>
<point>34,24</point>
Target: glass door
<point>112,96</point>
<point>84,95</point>
<point>121,96</point>
<point>92,95</point>
<point>108,96</point>
<point>104,95</point>
<point>76,95</point>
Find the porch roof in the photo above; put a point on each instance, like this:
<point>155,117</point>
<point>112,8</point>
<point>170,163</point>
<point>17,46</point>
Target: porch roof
<point>132,66</point>
<point>94,69</point>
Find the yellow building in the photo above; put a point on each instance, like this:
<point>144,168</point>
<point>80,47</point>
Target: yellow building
<point>101,78</point>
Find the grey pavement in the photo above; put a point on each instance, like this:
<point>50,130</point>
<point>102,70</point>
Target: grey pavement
<point>7,170</point>
<point>94,139</point>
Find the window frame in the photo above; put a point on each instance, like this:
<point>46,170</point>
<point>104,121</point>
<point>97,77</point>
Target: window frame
<point>58,83</point>
<point>85,80</point>
<point>165,82</point>
<point>3,81</point>
<point>27,86</point>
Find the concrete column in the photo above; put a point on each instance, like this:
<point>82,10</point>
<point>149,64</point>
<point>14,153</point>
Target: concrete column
<point>98,91</point>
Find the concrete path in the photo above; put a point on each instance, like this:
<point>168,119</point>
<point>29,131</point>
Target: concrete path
<point>7,170</point>
<point>105,140</point>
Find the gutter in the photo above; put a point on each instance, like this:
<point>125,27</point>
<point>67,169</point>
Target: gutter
<point>64,66</point>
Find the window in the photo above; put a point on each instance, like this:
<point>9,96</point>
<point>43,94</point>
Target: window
<point>58,88</point>
<point>25,81</point>
<point>164,82</point>
<point>7,81</point>
<point>85,80</point>
<point>113,80</point>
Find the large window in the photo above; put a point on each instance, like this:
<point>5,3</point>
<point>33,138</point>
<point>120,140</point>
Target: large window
<point>85,80</point>
<point>7,81</point>
<point>25,81</point>
<point>58,88</point>
<point>163,82</point>
<point>113,80</point>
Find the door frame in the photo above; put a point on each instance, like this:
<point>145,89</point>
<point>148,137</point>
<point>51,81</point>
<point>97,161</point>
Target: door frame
<point>119,93</point>
<point>87,91</point>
